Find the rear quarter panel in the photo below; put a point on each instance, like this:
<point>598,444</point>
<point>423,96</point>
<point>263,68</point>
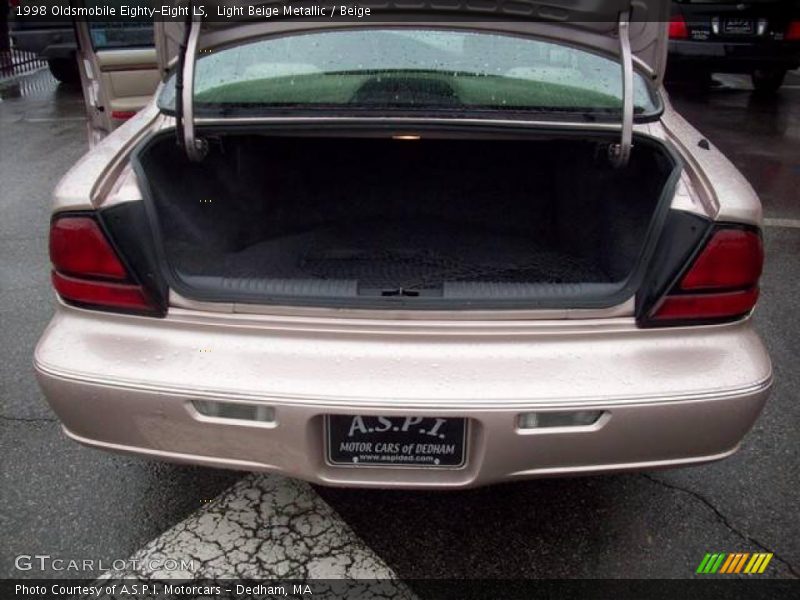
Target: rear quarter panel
<point>85,185</point>
<point>730,195</point>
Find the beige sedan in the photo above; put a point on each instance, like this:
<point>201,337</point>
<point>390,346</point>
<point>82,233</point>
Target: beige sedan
<point>409,254</point>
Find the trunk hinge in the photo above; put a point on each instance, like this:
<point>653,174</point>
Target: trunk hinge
<point>621,152</point>
<point>196,148</point>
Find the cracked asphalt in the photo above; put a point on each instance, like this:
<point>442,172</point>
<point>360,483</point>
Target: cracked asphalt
<point>265,526</point>
<point>60,499</point>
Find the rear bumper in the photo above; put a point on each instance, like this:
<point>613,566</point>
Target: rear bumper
<point>671,397</point>
<point>734,58</point>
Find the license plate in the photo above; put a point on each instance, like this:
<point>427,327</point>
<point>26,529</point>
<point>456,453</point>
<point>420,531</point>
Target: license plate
<point>739,26</point>
<point>427,442</point>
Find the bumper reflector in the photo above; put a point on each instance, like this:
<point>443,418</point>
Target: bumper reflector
<point>572,418</point>
<point>238,411</point>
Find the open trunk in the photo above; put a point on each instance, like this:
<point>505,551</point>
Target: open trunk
<point>422,223</point>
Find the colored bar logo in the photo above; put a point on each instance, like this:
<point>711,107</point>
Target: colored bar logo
<point>734,562</point>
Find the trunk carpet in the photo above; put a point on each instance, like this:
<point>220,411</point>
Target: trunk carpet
<point>396,254</point>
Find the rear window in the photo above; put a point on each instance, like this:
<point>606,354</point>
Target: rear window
<point>410,69</point>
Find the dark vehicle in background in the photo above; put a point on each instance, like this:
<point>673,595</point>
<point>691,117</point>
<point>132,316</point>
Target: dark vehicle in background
<point>53,41</point>
<point>56,42</point>
<point>756,37</point>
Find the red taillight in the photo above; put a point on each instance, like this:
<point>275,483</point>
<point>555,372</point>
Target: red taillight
<point>793,31</point>
<point>678,30</point>
<point>722,282</point>
<point>707,306</point>
<point>732,259</point>
<point>87,270</point>
<point>79,247</point>
<point>101,293</point>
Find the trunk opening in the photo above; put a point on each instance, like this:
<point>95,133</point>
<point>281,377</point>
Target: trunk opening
<point>429,223</point>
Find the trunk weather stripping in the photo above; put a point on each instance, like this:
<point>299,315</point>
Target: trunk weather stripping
<point>196,148</point>
<point>620,153</point>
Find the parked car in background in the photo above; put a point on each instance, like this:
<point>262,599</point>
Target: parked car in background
<point>411,254</point>
<point>118,71</point>
<point>115,62</point>
<point>52,41</point>
<point>757,37</point>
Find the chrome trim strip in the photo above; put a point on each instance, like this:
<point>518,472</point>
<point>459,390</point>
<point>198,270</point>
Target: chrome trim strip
<point>179,457</point>
<point>401,405</point>
<point>634,466</point>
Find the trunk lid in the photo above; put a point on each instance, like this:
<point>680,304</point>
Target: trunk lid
<point>589,23</point>
<point>634,32</point>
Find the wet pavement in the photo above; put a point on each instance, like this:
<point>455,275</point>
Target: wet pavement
<point>61,499</point>
<point>759,134</point>
<point>56,497</point>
